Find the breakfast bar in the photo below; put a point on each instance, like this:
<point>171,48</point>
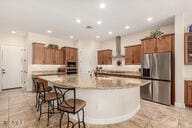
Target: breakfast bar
<point>109,99</point>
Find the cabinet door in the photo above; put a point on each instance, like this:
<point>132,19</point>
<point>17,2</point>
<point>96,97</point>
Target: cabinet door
<point>49,56</point>
<point>189,93</point>
<point>149,45</point>
<point>58,57</point>
<point>68,54</point>
<point>137,54</point>
<point>99,57</point>
<point>38,53</point>
<point>73,54</point>
<point>107,57</point>
<point>188,48</point>
<point>128,55</point>
<point>164,44</point>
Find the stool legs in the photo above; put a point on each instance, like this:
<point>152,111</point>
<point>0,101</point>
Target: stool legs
<point>83,118</point>
<point>61,119</point>
<point>40,107</point>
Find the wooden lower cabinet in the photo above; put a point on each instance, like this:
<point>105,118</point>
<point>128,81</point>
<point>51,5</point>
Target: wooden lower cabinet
<point>188,93</point>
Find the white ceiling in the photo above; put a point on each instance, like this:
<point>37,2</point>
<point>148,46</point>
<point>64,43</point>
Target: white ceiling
<point>60,16</point>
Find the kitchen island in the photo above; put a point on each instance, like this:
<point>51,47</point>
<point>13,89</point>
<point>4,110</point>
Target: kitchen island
<point>109,99</point>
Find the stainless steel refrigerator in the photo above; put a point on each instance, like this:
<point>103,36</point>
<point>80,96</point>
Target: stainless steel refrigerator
<point>157,68</point>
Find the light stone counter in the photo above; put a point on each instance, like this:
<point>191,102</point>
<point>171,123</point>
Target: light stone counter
<point>108,99</point>
<point>46,73</point>
<point>85,81</point>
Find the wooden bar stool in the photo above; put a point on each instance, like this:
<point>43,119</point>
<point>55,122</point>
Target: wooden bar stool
<point>69,105</point>
<point>49,98</point>
<point>39,90</point>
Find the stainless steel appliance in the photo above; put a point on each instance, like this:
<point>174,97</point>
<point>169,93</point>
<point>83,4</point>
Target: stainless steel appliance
<point>157,68</point>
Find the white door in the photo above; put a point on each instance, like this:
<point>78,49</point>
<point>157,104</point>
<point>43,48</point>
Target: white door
<point>11,66</point>
<point>85,60</point>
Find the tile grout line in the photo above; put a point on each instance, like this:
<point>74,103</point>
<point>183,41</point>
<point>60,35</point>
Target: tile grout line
<point>33,111</point>
<point>8,111</point>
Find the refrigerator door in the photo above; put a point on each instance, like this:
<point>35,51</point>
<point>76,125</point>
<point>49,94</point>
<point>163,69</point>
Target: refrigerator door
<point>162,92</point>
<point>146,92</point>
<point>146,65</point>
<point>161,66</point>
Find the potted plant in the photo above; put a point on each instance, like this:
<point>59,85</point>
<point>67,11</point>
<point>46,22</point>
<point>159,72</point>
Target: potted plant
<point>53,46</point>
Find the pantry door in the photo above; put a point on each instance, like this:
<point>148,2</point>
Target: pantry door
<point>11,66</point>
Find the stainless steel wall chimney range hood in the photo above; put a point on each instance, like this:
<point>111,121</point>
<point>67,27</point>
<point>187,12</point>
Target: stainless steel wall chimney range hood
<point>118,48</point>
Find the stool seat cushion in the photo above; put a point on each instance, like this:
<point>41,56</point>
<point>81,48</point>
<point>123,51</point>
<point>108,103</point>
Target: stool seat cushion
<point>47,89</point>
<point>79,104</point>
<point>49,96</point>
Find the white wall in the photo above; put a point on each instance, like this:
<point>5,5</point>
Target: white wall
<point>33,37</point>
<point>129,40</point>
<point>12,39</point>
<point>179,60</point>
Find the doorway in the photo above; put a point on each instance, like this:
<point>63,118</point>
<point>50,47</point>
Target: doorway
<point>11,66</point>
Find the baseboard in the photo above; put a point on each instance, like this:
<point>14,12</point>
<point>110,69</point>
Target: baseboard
<point>112,120</point>
<point>179,105</point>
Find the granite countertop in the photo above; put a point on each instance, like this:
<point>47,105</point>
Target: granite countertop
<point>46,73</point>
<point>86,82</point>
<point>126,73</point>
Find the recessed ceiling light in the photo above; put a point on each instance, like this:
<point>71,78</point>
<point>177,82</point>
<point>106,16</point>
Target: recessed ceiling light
<point>110,33</point>
<point>99,22</point>
<point>71,37</point>
<point>102,5</point>
<point>149,19</point>
<point>78,20</point>
<point>97,37</point>
<point>127,27</point>
<point>49,31</point>
<point>13,32</point>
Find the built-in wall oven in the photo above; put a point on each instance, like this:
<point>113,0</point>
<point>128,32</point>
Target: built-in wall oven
<point>71,67</point>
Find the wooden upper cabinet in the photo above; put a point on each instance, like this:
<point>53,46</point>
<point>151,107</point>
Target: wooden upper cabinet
<point>99,57</point>
<point>107,57</point>
<point>70,54</point>
<point>49,56</point>
<point>188,48</point>
<point>128,55</point>
<point>73,54</point>
<point>58,57</point>
<point>38,53</point>
<point>137,54</point>
<point>188,93</point>
<point>149,45</point>
<point>104,57</point>
<point>133,55</point>
<point>164,44</point>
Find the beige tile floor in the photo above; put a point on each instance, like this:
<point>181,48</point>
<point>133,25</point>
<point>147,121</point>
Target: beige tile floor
<point>18,105</point>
